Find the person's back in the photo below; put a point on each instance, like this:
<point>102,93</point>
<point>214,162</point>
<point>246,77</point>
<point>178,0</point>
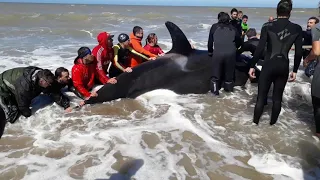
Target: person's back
<point>226,41</point>
<point>279,36</point>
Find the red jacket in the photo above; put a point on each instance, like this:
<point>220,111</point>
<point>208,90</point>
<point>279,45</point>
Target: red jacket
<point>84,75</point>
<point>153,49</point>
<point>103,54</point>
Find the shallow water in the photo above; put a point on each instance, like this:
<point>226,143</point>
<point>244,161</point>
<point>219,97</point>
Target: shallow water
<point>159,135</point>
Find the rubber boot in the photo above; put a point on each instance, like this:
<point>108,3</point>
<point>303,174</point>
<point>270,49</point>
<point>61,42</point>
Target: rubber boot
<point>228,86</point>
<point>214,87</point>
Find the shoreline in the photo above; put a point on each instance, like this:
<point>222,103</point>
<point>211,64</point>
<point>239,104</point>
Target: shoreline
<point>145,5</point>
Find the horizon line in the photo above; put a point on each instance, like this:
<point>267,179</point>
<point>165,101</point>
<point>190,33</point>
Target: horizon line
<point>114,4</point>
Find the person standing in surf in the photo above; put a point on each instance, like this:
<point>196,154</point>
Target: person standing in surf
<point>226,40</point>
<point>279,36</point>
<point>135,38</point>
<point>315,84</point>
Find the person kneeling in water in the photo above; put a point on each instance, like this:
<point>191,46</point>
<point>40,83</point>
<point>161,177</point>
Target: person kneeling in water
<point>122,54</point>
<point>84,74</point>
<point>18,86</point>
<point>152,45</point>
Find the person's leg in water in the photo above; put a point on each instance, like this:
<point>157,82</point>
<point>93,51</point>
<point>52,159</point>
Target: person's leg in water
<point>279,85</point>
<point>316,113</point>
<point>229,68</point>
<point>264,84</point>
<point>3,122</point>
<point>215,82</point>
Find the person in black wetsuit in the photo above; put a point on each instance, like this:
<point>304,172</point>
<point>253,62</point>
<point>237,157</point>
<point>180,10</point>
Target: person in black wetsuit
<point>251,44</point>
<point>279,36</point>
<point>243,61</point>
<point>235,21</point>
<point>226,41</point>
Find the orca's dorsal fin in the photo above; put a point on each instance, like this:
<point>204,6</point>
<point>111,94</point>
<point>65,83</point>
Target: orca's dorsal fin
<point>180,43</point>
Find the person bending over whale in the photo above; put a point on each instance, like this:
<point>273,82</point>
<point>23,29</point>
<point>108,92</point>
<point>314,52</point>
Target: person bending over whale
<point>84,73</point>
<point>62,79</point>
<point>135,38</point>
<point>18,86</point>
<point>226,40</point>
<point>122,53</point>
<point>250,46</point>
<point>243,60</point>
<point>279,36</point>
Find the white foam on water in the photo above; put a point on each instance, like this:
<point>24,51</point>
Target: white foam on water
<point>275,164</point>
<point>205,26</point>
<point>90,33</point>
<point>99,137</point>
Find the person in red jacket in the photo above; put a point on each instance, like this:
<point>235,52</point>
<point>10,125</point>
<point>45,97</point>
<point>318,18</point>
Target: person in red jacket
<point>103,53</point>
<point>152,45</point>
<point>84,73</point>
<point>135,38</point>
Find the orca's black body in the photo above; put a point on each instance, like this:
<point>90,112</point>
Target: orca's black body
<point>183,70</point>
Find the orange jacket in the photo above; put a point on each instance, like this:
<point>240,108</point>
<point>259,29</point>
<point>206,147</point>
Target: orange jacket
<point>137,46</point>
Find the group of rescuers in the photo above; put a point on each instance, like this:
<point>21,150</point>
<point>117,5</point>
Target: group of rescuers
<point>19,86</point>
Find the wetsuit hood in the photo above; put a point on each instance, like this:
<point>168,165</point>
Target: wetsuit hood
<point>103,39</point>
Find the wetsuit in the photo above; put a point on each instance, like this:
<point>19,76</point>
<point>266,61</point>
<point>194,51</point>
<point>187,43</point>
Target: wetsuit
<point>307,40</point>
<point>315,85</point>
<point>236,23</point>
<point>250,45</point>
<point>122,58</point>
<point>226,40</point>
<point>279,36</point>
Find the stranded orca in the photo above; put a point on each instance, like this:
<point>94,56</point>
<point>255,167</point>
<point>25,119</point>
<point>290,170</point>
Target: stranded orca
<point>183,70</point>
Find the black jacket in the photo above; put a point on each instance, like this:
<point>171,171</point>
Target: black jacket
<point>236,23</point>
<point>224,37</point>
<point>22,85</point>
<point>250,46</point>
